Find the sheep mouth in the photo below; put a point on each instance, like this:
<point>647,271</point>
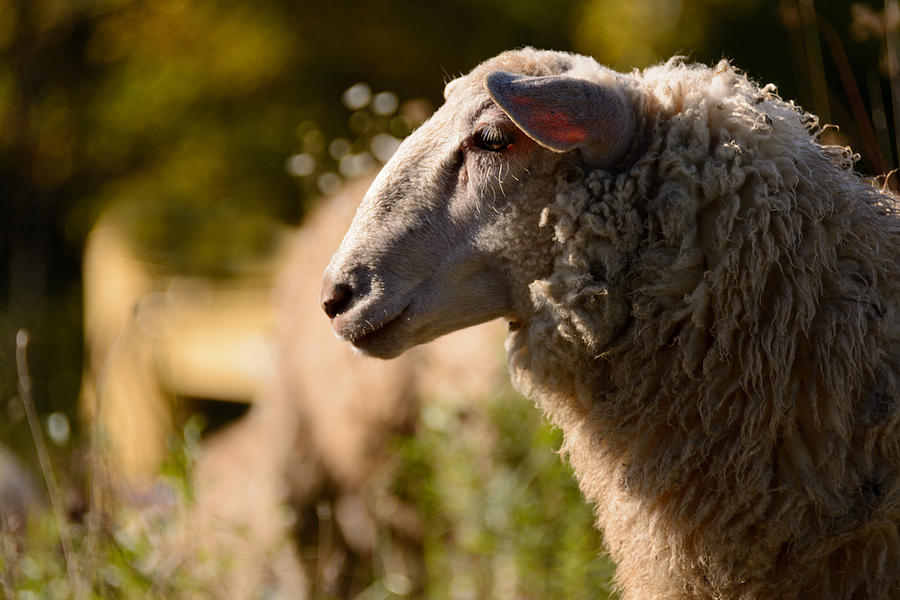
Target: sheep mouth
<point>379,339</point>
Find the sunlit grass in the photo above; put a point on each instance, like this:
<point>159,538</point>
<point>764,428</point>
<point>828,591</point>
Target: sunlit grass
<point>113,551</point>
<point>500,515</point>
<point>504,516</point>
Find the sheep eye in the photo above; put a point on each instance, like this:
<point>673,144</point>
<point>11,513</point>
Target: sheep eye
<point>493,139</point>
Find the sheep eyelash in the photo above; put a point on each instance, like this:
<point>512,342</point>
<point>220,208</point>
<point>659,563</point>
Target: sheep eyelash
<point>493,139</point>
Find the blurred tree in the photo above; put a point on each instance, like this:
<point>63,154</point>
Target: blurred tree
<point>810,50</point>
<point>43,77</point>
<point>181,115</point>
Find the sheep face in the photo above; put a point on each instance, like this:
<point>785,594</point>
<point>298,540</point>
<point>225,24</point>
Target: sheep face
<point>430,248</point>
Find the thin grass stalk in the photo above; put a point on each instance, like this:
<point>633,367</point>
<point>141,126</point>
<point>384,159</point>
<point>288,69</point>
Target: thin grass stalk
<point>851,89</point>
<point>9,555</point>
<point>815,67</point>
<point>879,117</point>
<point>62,524</point>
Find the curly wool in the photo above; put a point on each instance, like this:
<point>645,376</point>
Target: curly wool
<point>719,341</point>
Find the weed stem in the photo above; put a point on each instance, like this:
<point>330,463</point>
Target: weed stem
<point>24,380</point>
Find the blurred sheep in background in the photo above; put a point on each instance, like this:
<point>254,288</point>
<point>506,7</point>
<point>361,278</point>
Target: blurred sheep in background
<point>293,493</point>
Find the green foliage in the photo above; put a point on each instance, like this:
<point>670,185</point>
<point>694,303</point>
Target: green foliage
<point>178,468</point>
<point>181,116</point>
<point>118,550</point>
<point>504,515</point>
<point>501,512</point>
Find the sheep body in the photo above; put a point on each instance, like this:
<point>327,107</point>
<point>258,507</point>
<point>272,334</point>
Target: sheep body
<point>768,377</point>
<point>711,317</point>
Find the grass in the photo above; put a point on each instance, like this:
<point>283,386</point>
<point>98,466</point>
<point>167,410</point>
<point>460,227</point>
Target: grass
<point>111,551</point>
<point>498,516</point>
<point>508,522</point>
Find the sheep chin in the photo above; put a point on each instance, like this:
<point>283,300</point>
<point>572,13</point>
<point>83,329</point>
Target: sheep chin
<point>372,336</point>
<point>389,340</point>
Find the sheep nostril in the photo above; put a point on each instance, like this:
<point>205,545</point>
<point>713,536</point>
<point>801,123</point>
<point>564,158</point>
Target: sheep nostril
<point>336,299</point>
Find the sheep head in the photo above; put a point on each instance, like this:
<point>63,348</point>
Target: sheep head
<point>448,235</point>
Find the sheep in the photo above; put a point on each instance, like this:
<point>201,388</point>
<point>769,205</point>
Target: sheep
<point>335,416</point>
<point>309,443</point>
<point>296,492</point>
<point>700,295</point>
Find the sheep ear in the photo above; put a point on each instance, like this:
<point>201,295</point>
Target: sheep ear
<point>564,113</point>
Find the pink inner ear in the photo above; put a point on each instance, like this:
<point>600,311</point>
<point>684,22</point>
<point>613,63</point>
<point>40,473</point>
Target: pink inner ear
<point>548,124</point>
<point>563,113</point>
<point>559,127</point>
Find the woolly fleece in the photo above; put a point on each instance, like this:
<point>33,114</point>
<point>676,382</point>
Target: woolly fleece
<point>719,341</point>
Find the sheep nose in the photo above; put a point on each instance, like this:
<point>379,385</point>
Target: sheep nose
<point>335,297</point>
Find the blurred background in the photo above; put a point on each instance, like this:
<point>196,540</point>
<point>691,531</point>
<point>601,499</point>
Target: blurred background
<point>173,176</point>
